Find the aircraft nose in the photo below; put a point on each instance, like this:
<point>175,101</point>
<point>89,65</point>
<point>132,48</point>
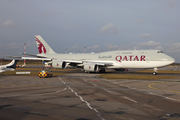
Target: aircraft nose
<point>170,59</point>
<point>167,60</point>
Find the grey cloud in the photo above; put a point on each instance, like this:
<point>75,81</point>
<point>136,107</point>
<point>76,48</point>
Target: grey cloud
<point>145,35</point>
<point>15,45</point>
<point>175,47</point>
<point>9,24</point>
<point>75,46</point>
<point>109,28</point>
<point>94,47</point>
<point>149,45</point>
<point>111,47</point>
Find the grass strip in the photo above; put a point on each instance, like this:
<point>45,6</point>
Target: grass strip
<point>50,69</point>
<point>33,73</point>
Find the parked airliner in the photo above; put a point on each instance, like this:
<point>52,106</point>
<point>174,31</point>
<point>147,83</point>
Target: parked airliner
<point>93,62</point>
<point>8,67</point>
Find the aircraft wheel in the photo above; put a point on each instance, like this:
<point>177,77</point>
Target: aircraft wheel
<point>40,76</point>
<point>154,73</point>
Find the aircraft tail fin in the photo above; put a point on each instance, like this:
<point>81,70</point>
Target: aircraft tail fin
<point>12,64</point>
<point>42,46</point>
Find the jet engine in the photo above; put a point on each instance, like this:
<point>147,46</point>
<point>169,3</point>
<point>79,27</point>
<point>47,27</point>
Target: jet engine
<point>59,64</point>
<point>90,67</point>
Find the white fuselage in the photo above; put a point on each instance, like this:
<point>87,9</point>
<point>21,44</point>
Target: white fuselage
<point>120,58</point>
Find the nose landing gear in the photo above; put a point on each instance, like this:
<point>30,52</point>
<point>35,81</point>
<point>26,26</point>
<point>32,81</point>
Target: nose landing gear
<point>155,71</point>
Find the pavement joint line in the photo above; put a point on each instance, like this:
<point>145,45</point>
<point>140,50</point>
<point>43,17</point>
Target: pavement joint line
<point>28,83</point>
<point>130,99</point>
<point>107,90</point>
<point>90,83</point>
<point>156,89</point>
<point>96,86</point>
<point>115,82</point>
<point>81,98</point>
<point>164,97</point>
<point>39,94</point>
<point>49,93</point>
<point>150,86</point>
<point>122,85</point>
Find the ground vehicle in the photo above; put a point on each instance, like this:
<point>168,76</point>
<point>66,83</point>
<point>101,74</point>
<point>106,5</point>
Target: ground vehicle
<point>45,73</point>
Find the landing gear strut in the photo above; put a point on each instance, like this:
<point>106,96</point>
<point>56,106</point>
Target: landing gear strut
<point>155,71</point>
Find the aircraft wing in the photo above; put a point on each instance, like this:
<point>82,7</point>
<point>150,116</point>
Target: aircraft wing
<point>88,62</point>
<point>31,58</point>
<point>72,62</point>
<point>49,59</point>
<point>12,56</point>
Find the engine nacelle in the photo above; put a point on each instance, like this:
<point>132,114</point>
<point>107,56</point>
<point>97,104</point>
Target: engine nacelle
<point>59,64</point>
<point>90,67</point>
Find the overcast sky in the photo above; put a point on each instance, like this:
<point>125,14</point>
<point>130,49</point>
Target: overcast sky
<point>97,24</point>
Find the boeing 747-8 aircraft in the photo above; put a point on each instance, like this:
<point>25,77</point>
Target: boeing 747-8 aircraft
<point>93,62</point>
<point>8,67</point>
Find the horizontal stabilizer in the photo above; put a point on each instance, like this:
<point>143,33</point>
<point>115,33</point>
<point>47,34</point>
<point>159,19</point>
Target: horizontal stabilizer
<point>39,56</point>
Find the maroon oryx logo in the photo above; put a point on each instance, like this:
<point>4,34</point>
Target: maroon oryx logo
<point>41,47</point>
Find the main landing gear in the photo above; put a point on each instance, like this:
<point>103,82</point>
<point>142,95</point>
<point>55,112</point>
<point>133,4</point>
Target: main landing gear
<point>102,70</point>
<point>155,71</point>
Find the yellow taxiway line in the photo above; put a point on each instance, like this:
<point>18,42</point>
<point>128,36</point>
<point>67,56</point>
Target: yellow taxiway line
<point>150,86</point>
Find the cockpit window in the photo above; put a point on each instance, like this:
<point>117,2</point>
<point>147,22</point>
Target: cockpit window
<point>160,52</point>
